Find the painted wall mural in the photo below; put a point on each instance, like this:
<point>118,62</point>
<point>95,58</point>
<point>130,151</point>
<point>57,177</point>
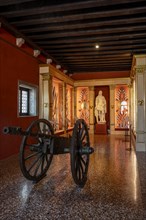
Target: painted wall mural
<point>122,107</point>
<point>68,106</point>
<point>57,109</point>
<point>83,103</point>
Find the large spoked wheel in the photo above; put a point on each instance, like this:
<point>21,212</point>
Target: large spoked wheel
<point>36,151</point>
<point>79,159</point>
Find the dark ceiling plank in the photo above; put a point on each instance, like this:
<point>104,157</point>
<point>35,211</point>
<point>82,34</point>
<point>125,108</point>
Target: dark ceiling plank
<point>35,10</point>
<point>89,32</point>
<point>108,60</point>
<point>99,65</point>
<point>13,2</point>
<point>81,17</point>
<point>105,57</point>
<point>122,36</point>
<point>102,52</point>
<point>64,26</point>
<point>103,48</point>
<point>97,60</point>
<point>85,45</point>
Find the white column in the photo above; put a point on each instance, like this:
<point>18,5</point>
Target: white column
<point>140,104</point>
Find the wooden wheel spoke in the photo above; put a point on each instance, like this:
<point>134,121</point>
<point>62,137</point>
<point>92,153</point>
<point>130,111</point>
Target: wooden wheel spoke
<point>43,160</point>
<point>78,172</point>
<point>82,160</point>
<point>81,166</point>
<point>33,164</point>
<point>37,168</point>
<point>81,131</point>
<point>31,155</point>
<point>83,136</point>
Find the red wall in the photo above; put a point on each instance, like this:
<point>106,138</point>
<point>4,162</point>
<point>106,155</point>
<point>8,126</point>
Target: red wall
<point>15,64</point>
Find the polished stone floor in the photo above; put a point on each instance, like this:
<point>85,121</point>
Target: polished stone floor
<point>115,189</point>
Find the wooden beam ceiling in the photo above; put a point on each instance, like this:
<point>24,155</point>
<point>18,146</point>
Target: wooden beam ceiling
<point>67,31</point>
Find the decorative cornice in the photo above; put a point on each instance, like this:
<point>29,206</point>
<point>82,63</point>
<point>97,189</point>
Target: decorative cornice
<point>138,66</point>
<point>140,69</point>
<point>100,82</point>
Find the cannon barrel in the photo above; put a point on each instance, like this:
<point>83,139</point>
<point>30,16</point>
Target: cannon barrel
<point>12,130</point>
<point>19,131</point>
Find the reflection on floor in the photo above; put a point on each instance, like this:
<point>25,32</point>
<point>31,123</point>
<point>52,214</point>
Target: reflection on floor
<point>115,188</point>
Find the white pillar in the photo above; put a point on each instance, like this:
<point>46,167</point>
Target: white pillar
<point>45,93</point>
<point>140,103</point>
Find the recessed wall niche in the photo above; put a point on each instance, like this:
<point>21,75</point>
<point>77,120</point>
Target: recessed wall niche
<point>83,103</point>
<point>68,101</point>
<point>121,107</point>
<point>57,100</point>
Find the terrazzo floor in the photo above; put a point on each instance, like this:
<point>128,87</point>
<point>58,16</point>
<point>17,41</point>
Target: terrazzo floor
<point>115,189</point>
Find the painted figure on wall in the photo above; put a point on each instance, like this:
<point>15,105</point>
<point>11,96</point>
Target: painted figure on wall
<point>100,108</point>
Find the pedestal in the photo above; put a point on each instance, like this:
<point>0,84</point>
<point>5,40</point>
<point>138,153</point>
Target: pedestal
<point>100,128</point>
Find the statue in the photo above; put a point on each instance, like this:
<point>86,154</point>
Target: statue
<point>100,108</point>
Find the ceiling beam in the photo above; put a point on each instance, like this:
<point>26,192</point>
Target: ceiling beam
<point>96,39</point>
<point>79,17</point>
<point>19,10</point>
<point>93,24</point>
<point>89,32</point>
<point>100,49</point>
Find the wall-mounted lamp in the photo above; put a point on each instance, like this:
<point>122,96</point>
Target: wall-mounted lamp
<point>65,71</point>
<point>36,53</point>
<point>20,42</point>
<point>45,105</point>
<point>140,102</point>
<point>48,61</point>
<point>58,67</point>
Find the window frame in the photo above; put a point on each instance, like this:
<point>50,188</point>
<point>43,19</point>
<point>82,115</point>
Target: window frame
<point>32,89</point>
<point>21,89</point>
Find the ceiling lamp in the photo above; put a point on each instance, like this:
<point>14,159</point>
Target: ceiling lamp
<point>97,46</point>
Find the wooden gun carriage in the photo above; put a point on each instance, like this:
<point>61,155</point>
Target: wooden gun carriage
<point>39,145</point>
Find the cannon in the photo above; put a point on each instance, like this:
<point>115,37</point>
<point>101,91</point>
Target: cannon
<point>39,145</point>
